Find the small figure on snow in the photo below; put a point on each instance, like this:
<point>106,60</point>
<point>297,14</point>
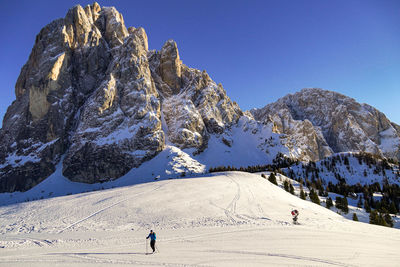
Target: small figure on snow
<point>295,214</point>
<point>152,237</point>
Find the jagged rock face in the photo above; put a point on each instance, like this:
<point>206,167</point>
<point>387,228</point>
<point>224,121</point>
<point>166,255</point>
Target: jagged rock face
<point>86,80</point>
<point>303,140</point>
<point>194,106</point>
<point>120,124</point>
<point>92,95</point>
<point>335,123</point>
<point>171,66</point>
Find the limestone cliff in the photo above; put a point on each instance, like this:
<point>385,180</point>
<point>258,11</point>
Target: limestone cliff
<point>322,122</point>
<point>93,96</point>
<point>94,101</point>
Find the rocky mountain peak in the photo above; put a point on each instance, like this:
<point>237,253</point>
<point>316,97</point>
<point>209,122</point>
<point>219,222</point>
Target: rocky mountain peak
<point>93,96</point>
<point>85,26</point>
<point>141,34</point>
<point>171,66</point>
<point>94,101</point>
<point>327,122</point>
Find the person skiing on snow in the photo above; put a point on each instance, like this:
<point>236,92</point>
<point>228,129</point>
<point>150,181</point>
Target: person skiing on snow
<point>295,214</point>
<point>152,237</point>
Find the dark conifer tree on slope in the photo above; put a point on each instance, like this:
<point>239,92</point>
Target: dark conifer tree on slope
<point>272,178</point>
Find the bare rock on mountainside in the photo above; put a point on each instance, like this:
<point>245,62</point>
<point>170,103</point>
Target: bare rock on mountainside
<point>200,107</point>
<point>325,122</point>
<point>171,66</point>
<point>93,99</point>
<point>92,92</point>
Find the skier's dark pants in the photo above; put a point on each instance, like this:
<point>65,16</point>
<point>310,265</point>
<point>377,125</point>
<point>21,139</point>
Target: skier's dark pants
<point>153,244</point>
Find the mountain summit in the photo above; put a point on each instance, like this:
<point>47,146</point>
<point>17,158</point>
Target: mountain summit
<point>94,101</point>
<point>322,122</point>
<point>93,92</point>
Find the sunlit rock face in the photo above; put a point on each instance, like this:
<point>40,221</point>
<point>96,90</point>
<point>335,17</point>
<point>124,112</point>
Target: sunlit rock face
<point>86,92</point>
<point>92,96</point>
<point>94,101</point>
<point>325,122</point>
<point>194,106</point>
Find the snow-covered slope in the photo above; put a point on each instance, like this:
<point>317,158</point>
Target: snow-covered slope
<point>172,162</point>
<point>227,219</point>
<point>351,168</point>
<point>361,213</point>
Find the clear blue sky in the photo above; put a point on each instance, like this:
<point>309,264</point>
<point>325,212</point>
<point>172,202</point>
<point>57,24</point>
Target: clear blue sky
<point>259,50</point>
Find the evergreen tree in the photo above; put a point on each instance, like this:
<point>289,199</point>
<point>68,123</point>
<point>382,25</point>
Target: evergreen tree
<point>346,161</point>
<point>302,195</point>
<point>392,208</point>
<point>373,217</point>
<point>366,206</point>
<point>286,185</point>
<point>272,178</point>
<point>379,219</point>
<point>314,197</point>
<point>388,219</point>
<point>329,203</point>
<point>355,218</point>
<point>341,203</point>
<point>345,205</point>
<point>359,203</point>
<point>338,203</point>
<point>372,203</point>
<point>291,189</point>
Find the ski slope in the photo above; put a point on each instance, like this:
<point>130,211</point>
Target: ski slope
<point>225,219</point>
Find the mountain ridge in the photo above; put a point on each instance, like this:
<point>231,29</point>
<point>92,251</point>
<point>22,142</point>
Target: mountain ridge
<point>333,123</point>
<point>92,96</point>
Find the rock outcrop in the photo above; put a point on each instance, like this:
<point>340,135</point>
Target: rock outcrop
<point>194,106</point>
<point>322,122</point>
<point>93,99</point>
<point>170,67</point>
<point>93,96</point>
<point>86,92</point>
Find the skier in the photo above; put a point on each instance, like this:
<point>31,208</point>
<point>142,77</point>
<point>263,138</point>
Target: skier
<point>295,214</point>
<point>152,237</point>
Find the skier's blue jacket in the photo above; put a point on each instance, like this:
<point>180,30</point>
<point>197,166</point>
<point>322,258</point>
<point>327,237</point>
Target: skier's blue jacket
<point>152,236</point>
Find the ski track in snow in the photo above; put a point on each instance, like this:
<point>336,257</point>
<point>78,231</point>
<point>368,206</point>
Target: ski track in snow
<point>230,210</point>
<point>38,242</point>
<point>79,258</point>
<point>230,219</point>
<point>296,257</point>
<point>236,218</point>
<point>108,207</point>
<point>88,257</point>
<point>92,259</point>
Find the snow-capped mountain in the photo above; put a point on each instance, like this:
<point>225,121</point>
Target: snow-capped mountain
<point>94,103</point>
<point>321,122</point>
<point>93,92</point>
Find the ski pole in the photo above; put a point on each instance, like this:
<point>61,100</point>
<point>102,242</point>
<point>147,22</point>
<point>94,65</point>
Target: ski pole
<point>146,247</point>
